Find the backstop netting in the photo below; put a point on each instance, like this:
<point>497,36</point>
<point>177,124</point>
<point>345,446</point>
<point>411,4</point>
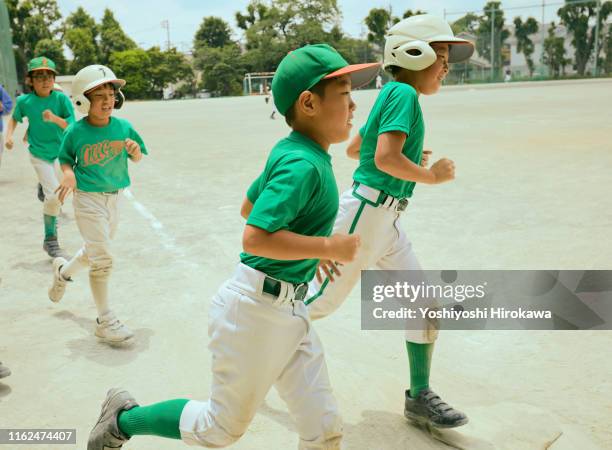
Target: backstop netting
<point>8,71</point>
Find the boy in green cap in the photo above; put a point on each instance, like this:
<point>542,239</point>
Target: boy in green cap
<point>260,333</point>
<point>49,112</point>
<point>392,161</point>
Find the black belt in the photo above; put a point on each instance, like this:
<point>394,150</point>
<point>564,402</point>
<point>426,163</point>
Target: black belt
<point>273,287</point>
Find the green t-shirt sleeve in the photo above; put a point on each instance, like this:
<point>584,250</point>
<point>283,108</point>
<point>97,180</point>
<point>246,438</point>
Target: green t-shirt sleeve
<point>287,191</point>
<point>362,130</point>
<point>67,153</point>
<point>398,110</point>
<point>18,113</point>
<point>133,134</point>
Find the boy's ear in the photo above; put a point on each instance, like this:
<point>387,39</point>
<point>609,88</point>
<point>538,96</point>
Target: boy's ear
<point>305,103</point>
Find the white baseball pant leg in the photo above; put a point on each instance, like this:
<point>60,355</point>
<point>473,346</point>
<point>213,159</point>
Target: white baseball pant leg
<point>384,245</point>
<point>47,174</point>
<point>258,342</point>
<point>97,218</point>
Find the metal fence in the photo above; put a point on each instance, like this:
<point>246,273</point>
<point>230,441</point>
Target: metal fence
<point>8,72</point>
<point>531,42</point>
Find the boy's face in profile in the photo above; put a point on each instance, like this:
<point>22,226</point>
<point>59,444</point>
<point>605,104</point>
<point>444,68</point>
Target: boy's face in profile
<point>102,102</point>
<point>432,77</point>
<point>336,112</point>
<point>42,82</point>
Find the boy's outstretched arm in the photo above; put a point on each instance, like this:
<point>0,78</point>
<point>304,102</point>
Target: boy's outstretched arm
<point>389,159</point>
<point>352,150</point>
<point>288,246</point>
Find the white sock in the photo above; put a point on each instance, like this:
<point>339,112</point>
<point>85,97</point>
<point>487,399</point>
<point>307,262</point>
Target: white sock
<point>99,290</point>
<point>77,263</point>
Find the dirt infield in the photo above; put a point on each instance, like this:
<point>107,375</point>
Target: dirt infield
<point>532,192</point>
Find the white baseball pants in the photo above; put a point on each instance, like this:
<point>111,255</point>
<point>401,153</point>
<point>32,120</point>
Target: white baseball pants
<point>384,245</point>
<point>258,342</point>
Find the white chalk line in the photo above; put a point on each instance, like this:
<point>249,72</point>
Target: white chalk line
<point>166,239</point>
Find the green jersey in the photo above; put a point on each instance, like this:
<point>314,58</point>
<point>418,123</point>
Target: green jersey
<point>396,109</point>
<point>44,138</point>
<point>297,192</point>
<point>98,155</point>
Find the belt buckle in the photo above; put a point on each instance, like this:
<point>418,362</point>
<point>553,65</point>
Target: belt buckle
<point>402,204</point>
<point>300,292</point>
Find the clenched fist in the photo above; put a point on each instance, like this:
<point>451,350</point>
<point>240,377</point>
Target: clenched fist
<point>443,170</point>
<point>343,247</point>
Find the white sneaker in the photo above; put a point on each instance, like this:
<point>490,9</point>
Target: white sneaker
<point>110,330</point>
<point>57,289</point>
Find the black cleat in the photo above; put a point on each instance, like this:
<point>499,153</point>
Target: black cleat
<point>53,249</point>
<point>429,409</point>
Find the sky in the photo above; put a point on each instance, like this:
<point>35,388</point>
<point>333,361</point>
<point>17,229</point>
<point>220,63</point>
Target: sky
<point>141,19</point>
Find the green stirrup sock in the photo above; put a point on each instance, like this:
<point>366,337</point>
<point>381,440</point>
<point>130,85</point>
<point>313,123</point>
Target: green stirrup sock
<point>50,226</point>
<point>419,358</point>
<point>160,419</point>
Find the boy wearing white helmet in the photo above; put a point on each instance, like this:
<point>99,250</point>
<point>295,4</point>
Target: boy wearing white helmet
<point>94,159</point>
<point>48,112</point>
<point>389,148</point>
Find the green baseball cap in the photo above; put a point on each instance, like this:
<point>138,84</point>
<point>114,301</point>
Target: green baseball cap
<point>301,69</point>
<point>41,63</point>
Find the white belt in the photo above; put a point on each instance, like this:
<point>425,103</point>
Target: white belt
<point>378,198</point>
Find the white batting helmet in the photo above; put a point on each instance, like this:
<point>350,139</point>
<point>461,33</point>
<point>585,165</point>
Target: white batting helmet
<point>89,78</point>
<point>407,43</point>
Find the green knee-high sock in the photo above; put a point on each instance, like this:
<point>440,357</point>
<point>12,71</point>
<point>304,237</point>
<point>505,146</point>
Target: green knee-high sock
<point>160,419</point>
<point>50,226</point>
<point>419,358</point>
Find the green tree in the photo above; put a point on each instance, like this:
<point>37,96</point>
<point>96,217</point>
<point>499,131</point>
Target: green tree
<point>222,69</point>
<point>378,21</point>
<point>52,49</point>
<point>213,32</point>
<point>81,37</point>
<point>492,18</point>
<point>112,37</point>
<point>83,47</point>
<point>468,23</point>
<point>166,67</point>
<point>32,21</point>
<point>410,13</point>
<point>554,52</point>
<point>608,47</point>
<point>522,31</point>
<point>580,18</point>
<point>134,66</point>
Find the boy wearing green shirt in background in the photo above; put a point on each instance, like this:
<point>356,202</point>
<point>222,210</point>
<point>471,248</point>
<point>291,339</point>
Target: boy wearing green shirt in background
<point>94,158</point>
<point>48,112</point>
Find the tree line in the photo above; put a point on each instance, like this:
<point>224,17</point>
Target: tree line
<point>269,29</point>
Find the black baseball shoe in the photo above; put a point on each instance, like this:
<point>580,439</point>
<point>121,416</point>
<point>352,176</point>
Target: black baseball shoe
<point>52,247</point>
<point>429,409</point>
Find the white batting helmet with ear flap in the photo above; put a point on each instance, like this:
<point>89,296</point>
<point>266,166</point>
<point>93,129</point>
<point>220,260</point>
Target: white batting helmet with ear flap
<point>408,43</point>
<point>89,78</point>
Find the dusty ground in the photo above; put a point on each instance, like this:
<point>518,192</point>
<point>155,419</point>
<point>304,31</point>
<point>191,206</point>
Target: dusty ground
<point>532,191</point>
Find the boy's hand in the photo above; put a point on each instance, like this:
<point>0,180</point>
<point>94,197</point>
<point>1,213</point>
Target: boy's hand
<point>329,268</point>
<point>9,143</point>
<point>343,247</point>
<point>443,170</point>
<point>133,149</point>
<point>48,116</point>
<point>425,158</point>
<point>67,186</point>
